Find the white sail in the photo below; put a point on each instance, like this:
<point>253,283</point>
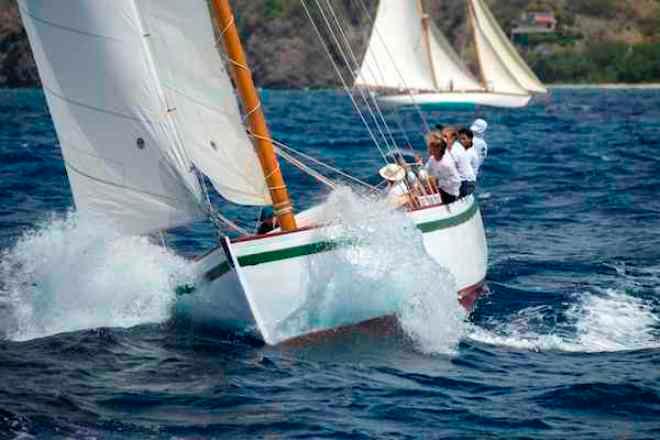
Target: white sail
<point>201,96</point>
<point>396,56</point>
<point>495,74</point>
<point>451,74</point>
<point>122,156</point>
<point>488,29</point>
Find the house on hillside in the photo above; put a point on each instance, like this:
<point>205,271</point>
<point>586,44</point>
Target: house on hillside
<point>533,23</point>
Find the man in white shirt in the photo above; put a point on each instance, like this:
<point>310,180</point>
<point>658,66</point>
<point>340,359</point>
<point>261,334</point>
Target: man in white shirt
<point>466,137</point>
<point>479,127</point>
<point>442,170</point>
<point>462,160</point>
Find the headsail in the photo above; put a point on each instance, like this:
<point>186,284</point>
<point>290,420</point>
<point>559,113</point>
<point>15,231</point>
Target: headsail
<point>487,29</point>
<point>123,159</point>
<point>197,86</point>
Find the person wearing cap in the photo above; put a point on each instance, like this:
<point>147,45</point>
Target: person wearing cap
<point>479,127</point>
<point>462,161</point>
<point>397,190</point>
<point>442,170</point>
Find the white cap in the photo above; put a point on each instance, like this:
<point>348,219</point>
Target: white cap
<point>392,172</point>
<point>479,127</point>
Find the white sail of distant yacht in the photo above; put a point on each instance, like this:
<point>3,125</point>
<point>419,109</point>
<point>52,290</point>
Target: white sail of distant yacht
<point>409,60</point>
<point>144,108</point>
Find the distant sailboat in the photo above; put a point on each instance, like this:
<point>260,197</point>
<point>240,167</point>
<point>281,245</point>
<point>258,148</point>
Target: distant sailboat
<point>144,108</point>
<point>409,60</point>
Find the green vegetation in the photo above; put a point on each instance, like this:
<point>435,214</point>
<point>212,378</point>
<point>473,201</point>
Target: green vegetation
<point>597,40</point>
<point>603,62</point>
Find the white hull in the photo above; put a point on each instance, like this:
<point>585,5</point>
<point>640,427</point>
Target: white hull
<point>258,283</point>
<point>490,99</point>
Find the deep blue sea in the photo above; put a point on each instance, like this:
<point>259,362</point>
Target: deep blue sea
<point>566,345</point>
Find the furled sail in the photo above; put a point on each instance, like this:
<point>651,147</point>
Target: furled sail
<point>488,30</point>
<point>396,56</point>
<point>122,156</point>
<point>200,94</point>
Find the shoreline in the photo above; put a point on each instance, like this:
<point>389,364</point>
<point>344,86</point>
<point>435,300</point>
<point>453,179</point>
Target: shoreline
<point>611,86</point>
<point>606,86</point>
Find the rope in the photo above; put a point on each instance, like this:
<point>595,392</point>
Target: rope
<point>343,81</point>
<point>311,172</point>
<point>325,165</point>
<point>295,162</point>
<point>354,66</point>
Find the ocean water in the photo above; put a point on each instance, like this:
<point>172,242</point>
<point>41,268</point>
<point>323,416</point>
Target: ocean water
<point>566,345</point>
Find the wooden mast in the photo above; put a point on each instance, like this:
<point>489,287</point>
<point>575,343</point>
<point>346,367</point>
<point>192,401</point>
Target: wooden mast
<point>248,94</point>
<point>427,41</point>
<point>473,22</point>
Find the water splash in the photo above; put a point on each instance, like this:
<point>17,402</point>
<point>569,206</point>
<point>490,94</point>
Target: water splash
<point>603,321</point>
<point>382,269</point>
<point>68,275</point>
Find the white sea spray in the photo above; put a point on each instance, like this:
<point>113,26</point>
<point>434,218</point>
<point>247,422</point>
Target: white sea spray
<point>605,320</point>
<point>68,274</point>
<point>381,268</point>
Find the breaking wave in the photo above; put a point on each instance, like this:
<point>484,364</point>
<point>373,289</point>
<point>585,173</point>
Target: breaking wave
<point>383,269</point>
<point>68,274</point>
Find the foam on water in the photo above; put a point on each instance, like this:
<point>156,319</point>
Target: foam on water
<point>68,275</point>
<point>382,269</point>
<point>604,321</point>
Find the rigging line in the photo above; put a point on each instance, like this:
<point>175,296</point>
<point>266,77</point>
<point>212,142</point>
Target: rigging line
<point>347,63</point>
<point>323,164</point>
<point>355,67</point>
<point>387,49</point>
<point>343,81</point>
<point>306,169</point>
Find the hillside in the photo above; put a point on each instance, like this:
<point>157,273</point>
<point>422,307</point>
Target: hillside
<point>597,40</point>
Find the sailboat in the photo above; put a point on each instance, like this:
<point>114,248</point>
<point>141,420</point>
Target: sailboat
<point>145,109</point>
<point>409,61</point>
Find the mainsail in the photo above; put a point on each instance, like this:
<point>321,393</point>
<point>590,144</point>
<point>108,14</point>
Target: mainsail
<point>137,97</point>
<point>500,62</point>
<point>398,57</point>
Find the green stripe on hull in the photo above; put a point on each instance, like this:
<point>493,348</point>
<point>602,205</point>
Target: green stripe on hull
<point>449,222</point>
<point>325,246</point>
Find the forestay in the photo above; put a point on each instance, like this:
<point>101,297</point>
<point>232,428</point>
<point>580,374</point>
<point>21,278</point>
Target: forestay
<point>200,94</point>
<point>492,42</point>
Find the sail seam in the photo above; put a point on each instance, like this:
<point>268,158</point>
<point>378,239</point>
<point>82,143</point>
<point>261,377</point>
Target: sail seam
<point>65,28</point>
<point>97,109</point>
<point>116,185</point>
